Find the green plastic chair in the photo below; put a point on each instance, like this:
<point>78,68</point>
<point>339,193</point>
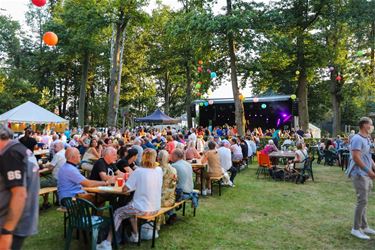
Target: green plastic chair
<point>82,217</point>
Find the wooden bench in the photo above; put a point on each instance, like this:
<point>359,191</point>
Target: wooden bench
<point>217,180</point>
<point>48,190</point>
<point>153,219</point>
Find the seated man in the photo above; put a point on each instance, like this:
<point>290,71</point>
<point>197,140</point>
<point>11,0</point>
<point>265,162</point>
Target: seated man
<point>56,163</point>
<point>158,142</point>
<point>226,162</point>
<point>70,180</point>
<point>184,172</point>
<point>105,168</point>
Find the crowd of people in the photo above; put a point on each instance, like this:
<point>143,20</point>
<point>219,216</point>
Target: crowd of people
<point>156,164</point>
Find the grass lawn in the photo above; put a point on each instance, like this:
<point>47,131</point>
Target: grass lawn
<point>256,214</point>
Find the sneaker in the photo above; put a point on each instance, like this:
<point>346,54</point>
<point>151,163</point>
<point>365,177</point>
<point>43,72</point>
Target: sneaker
<point>368,231</point>
<point>105,245</point>
<point>359,234</point>
<point>208,191</point>
<point>134,238</point>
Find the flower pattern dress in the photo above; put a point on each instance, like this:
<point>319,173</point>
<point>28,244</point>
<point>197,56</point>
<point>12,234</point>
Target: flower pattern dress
<point>168,195</point>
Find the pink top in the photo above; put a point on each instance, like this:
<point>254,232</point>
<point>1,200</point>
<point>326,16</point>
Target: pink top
<point>170,147</point>
<point>191,153</point>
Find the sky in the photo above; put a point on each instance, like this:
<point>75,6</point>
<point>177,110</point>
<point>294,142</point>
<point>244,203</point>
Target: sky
<point>17,9</point>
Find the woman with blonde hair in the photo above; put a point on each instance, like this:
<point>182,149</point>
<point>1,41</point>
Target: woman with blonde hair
<point>146,181</point>
<point>168,197</point>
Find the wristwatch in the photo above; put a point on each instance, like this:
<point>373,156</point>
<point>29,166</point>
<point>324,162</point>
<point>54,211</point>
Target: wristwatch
<point>5,231</point>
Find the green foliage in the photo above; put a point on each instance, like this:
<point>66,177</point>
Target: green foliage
<point>162,50</point>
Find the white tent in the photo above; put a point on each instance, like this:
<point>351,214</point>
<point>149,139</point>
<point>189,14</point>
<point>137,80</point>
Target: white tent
<point>30,113</point>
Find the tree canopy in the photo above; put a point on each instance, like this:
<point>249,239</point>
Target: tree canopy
<point>113,56</point>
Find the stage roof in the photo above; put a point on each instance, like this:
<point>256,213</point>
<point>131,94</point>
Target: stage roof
<point>247,99</point>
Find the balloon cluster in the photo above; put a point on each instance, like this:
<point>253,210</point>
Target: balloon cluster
<point>206,103</point>
<point>199,85</point>
<point>49,38</point>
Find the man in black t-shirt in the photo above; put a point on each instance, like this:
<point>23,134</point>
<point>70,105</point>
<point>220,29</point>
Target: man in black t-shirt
<point>28,141</point>
<point>19,189</point>
<point>105,169</point>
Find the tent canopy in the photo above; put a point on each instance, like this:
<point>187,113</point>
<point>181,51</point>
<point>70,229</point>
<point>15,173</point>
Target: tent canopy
<point>29,112</point>
<point>158,117</point>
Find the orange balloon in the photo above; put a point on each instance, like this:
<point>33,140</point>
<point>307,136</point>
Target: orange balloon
<point>50,38</point>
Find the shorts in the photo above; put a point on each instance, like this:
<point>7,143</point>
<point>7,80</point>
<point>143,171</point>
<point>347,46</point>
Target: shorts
<point>48,181</point>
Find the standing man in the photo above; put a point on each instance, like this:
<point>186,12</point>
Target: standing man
<point>19,188</point>
<point>361,171</point>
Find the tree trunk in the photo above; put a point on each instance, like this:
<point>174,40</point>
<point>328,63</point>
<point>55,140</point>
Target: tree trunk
<point>65,98</point>
<point>372,51</point>
<point>188,94</point>
<point>114,75</point>
<point>118,90</point>
<point>166,93</point>
<point>82,89</point>
<point>302,91</point>
<point>336,103</point>
<point>239,109</point>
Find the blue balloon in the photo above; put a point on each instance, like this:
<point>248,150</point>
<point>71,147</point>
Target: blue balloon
<point>213,75</point>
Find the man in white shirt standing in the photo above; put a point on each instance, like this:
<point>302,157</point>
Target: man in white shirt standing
<point>226,160</point>
<point>193,136</point>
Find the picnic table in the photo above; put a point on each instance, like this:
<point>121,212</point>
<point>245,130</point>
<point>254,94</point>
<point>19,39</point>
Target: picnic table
<point>198,166</point>
<point>284,155</point>
<point>106,190</point>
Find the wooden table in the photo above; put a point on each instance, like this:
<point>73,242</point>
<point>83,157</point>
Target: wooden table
<point>106,190</point>
<point>41,152</point>
<point>282,154</point>
<point>199,166</point>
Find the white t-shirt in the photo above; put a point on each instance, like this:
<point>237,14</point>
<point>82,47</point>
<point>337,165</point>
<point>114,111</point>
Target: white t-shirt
<point>225,158</point>
<point>249,148</point>
<point>193,137</point>
<point>236,149</point>
<point>57,161</point>
<point>147,183</point>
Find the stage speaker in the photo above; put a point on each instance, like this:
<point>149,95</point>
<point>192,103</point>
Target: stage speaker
<point>193,113</point>
<point>295,108</point>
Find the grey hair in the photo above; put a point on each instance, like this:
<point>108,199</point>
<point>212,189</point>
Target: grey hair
<point>70,152</point>
<point>6,134</point>
<point>59,143</point>
<point>178,153</point>
<point>137,141</point>
<point>108,150</point>
<point>163,158</point>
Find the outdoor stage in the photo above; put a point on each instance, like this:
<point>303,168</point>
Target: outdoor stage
<point>265,112</point>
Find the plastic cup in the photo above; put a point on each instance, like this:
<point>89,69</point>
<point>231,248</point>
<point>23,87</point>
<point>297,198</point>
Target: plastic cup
<point>120,182</point>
